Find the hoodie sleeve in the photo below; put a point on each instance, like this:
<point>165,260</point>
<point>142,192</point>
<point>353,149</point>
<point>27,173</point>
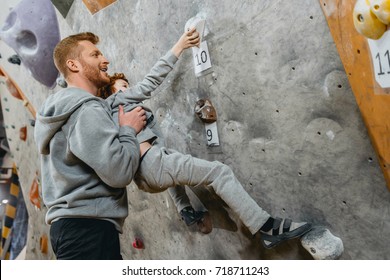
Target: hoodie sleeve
<point>142,90</point>
<point>112,151</point>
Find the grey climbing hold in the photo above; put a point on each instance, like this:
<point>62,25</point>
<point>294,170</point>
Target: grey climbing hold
<point>322,244</point>
<point>31,29</point>
<point>61,82</point>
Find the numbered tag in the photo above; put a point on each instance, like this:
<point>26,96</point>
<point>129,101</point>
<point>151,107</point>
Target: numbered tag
<point>380,57</point>
<point>212,134</point>
<point>201,57</point>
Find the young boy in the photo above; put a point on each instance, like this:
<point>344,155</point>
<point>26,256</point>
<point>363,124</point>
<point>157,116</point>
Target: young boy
<point>119,82</point>
<point>162,168</point>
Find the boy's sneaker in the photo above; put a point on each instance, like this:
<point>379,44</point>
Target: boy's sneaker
<point>283,229</point>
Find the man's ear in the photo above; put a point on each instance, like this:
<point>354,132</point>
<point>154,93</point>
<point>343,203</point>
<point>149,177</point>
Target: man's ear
<point>73,65</point>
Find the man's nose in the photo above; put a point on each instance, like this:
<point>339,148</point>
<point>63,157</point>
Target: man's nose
<point>105,60</point>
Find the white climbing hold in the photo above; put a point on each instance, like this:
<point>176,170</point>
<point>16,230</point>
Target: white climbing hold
<point>322,244</point>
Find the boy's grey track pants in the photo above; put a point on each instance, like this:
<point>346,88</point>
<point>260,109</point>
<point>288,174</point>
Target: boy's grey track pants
<point>162,168</point>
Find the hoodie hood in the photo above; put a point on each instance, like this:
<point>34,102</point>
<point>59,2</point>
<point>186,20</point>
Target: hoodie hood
<point>55,112</point>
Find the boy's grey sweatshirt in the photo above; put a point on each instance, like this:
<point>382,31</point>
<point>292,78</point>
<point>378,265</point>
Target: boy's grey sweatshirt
<point>133,97</point>
<point>87,160</point>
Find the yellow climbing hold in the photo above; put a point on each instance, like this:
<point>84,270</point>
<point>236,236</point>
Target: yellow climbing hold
<point>381,8</point>
<point>366,22</point>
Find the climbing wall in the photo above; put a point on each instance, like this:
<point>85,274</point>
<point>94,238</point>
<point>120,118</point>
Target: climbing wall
<point>288,124</point>
<point>373,99</point>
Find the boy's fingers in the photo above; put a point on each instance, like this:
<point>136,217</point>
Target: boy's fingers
<point>190,31</point>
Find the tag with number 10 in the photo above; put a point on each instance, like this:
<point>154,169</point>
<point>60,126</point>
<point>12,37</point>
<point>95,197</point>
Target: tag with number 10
<point>201,57</point>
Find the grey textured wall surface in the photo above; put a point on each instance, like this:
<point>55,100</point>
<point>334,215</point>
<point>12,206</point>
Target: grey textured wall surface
<point>288,125</point>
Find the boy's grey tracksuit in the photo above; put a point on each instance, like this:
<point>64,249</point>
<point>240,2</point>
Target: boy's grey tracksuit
<point>162,168</point>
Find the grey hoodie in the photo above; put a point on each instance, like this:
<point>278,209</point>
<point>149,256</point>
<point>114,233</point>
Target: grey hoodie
<point>87,160</point>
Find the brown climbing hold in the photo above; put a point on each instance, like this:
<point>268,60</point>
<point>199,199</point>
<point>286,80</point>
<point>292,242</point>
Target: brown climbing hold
<point>205,111</point>
<point>34,193</point>
<point>205,225</point>
<point>43,243</point>
<point>95,6</point>
<point>23,133</point>
<point>13,89</point>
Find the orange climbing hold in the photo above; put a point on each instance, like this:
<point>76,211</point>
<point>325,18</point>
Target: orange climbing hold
<point>34,193</point>
<point>23,133</point>
<point>43,243</point>
<point>13,89</point>
<point>95,6</point>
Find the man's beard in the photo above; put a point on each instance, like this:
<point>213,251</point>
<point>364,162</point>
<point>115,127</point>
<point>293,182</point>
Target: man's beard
<point>94,75</point>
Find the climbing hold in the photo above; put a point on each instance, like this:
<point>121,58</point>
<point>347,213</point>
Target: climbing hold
<point>199,23</point>
<point>205,225</point>
<point>366,22</point>
<point>15,59</point>
<point>31,29</point>
<point>34,192</point>
<point>96,6</point>
<point>23,133</point>
<point>61,82</point>
<point>43,243</point>
<point>63,6</point>
<point>13,89</point>
<point>322,244</point>
<point>138,244</point>
<point>381,8</point>
<point>205,111</point>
